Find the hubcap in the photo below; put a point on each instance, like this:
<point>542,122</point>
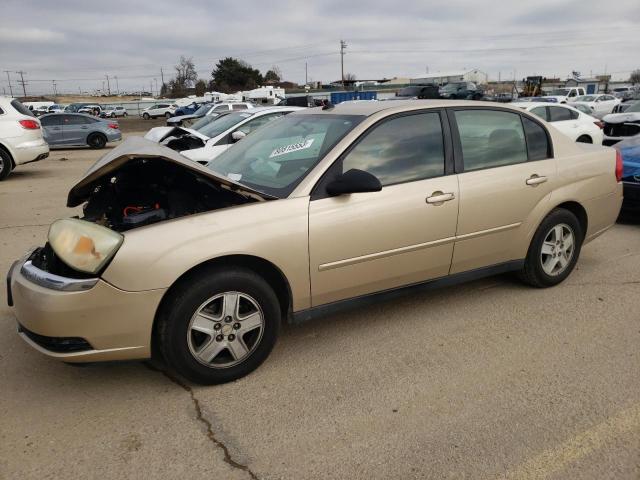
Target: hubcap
<point>225,330</point>
<point>557,249</point>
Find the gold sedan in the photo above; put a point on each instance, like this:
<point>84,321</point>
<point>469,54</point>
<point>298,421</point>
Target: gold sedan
<point>323,209</point>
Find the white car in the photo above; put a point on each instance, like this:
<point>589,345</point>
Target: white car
<point>21,138</point>
<point>159,110</point>
<point>576,125</point>
<point>601,104</point>
<point>112,111</point>
<point>208,109</point>
<point>620,126</point>
<point>214,138</point>
<point>564,95</point>
<point>90,109</point>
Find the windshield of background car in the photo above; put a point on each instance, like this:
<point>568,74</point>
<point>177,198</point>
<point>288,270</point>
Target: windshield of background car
<point>214,129</point>
<point>206,120</point>
<point>276,157</point>
<point>586,98</point>
<point>409,92</point>
<point>561,91</point>
<point>202,110</point>
<point>634,108</point>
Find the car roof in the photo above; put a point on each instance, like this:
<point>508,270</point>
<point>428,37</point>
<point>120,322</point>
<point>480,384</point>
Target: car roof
<point>372,107</point>
<point>543,104</point>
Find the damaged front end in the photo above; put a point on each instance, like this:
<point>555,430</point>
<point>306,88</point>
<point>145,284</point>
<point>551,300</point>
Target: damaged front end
<point>141,183</point>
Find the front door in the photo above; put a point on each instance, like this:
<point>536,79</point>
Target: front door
<point>52,126</point>
<point>370,242</point>
<point>506,175</point>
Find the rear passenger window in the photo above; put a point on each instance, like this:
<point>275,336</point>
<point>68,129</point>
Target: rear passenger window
<point>540,112</point>
<point>490,138</point>
<point>400,150</point>
<point>537,140</point>
<point>239,107</point>
<point>559,114</point>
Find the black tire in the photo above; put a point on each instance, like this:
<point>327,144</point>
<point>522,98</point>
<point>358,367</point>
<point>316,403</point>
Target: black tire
<point>184,302</point>
<point>533,272</point>
<point>96,141</point>
<point>5,164</point>
<point>146,116</point>
<point>584,139</point>
<point>124,114</point>
<point>113,115</point>
<point>167,115</point>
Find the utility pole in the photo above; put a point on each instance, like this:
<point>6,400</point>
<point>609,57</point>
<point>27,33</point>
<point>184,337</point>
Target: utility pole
<point>306,82</point>
<point>162,76</point>
<point>108,85</point>
<point>55,91</point>
<point>24,90</point>
<point>343,45</point>
<point>151,83</point>
<point>117,87</point>
<point>9,80</point>
<point>157,91</point>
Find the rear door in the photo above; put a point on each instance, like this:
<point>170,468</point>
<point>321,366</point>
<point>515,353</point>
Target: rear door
<point>75,129</point>
<point>369,242</point>
<point>506,174</point>
<point>564,120</point>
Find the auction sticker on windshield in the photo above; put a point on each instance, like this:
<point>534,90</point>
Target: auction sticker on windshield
<point>294,147</point>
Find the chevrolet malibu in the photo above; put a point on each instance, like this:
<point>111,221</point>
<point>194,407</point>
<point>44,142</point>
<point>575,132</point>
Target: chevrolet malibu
<point>322,209</point>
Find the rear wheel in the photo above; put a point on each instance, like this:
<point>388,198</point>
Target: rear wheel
<point>5,164</point>
<point>146,116</point>
<point>113,115</point>
<point>219,326</point>
<point>97,140</point>
<point>168,115</point>
<point>584,139</point>
<point>554,250</point>
<point>124,114</point>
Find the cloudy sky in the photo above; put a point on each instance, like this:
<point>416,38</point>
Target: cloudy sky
<point>78,42</point>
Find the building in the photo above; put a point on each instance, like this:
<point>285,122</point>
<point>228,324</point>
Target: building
<point>442,78</point>
<point>590,85</point>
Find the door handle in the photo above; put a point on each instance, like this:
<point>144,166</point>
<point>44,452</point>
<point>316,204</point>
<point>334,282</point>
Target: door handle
<point>438,198</point>
<point>534,180</point>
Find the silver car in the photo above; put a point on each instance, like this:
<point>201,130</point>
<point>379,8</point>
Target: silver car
<point>79,129</point>
<point>113,111</point>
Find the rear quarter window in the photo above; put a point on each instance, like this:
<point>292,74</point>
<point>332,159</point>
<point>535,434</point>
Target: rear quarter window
<point>538,147</point>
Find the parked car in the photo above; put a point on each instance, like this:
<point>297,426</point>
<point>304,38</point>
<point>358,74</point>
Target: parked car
<point>79,129</point>
<point>461,90</point>
<point>159,110</point>
<point>208,142</point>
<point>74,107</point>
<point>91,109</point>
<point>624,92</point>
<point>188,109</point>
<point>208,109</point>
<point>630,151</point>
<point>113,111</point>
<point>415,92</point>
<point>576,125</point>
<point>320,210</point>
<point>44,109</point>
<point>624,105</point>
<point>21,138</point>
<point>564,95</point>
<point>158,134</point>
<point>619,126</point>
<point>600,104</point>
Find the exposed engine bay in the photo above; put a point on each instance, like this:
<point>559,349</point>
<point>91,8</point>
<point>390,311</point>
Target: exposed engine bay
<point>180,143</point>
<point>145,191</point>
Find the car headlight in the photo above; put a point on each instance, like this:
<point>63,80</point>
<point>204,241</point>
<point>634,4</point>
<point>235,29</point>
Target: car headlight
<point>83,245</point>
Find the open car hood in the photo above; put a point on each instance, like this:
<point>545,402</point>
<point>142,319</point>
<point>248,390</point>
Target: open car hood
<point>135,148</point>
<point>159,134</point>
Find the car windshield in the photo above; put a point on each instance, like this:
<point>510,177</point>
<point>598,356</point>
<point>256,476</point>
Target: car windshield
<point>275,158</point>
<point>206,120</point>
<point>634,108</point>
<point>409,92</point>
<point>202,110</point>
<point>214,129</point>
<point>560,91</point>
<point>586,98</point>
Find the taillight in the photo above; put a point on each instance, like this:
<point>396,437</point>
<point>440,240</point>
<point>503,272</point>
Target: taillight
<point>618,165</point>
<point>29,124</point>
<point>599,124</point>
<point>114,125</point>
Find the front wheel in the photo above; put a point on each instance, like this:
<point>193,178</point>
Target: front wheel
<point>146,116</point>
<point>554,250</point>
<point>5,164</point>
<point>124,114</point>
<point>168,115</point>
<point>219,326</point>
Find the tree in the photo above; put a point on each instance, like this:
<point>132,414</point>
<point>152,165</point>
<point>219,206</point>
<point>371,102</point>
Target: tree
<point>201,87</point>
<point>635,76</point>
<point>185,76</point>
<point>349,77</point>
<point>231,75</point>
<point>273,75</point>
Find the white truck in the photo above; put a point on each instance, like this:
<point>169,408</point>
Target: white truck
<point>563,95</point>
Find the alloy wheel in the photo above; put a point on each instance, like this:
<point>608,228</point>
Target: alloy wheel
<point>557,249</point>
<point>225,330</point>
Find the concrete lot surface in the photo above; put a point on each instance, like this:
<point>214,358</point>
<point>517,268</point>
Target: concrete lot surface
<point>490,379</point>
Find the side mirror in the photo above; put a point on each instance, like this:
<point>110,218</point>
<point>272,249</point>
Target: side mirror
<point>354,181</point>
<point>238,135</point>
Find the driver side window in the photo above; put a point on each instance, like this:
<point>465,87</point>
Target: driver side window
<point>402,149</point>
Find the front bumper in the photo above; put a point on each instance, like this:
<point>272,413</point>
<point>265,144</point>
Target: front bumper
<point>94,321</point>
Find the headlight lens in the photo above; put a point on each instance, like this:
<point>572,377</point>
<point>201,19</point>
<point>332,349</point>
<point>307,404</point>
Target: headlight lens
<point>83,245</point>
